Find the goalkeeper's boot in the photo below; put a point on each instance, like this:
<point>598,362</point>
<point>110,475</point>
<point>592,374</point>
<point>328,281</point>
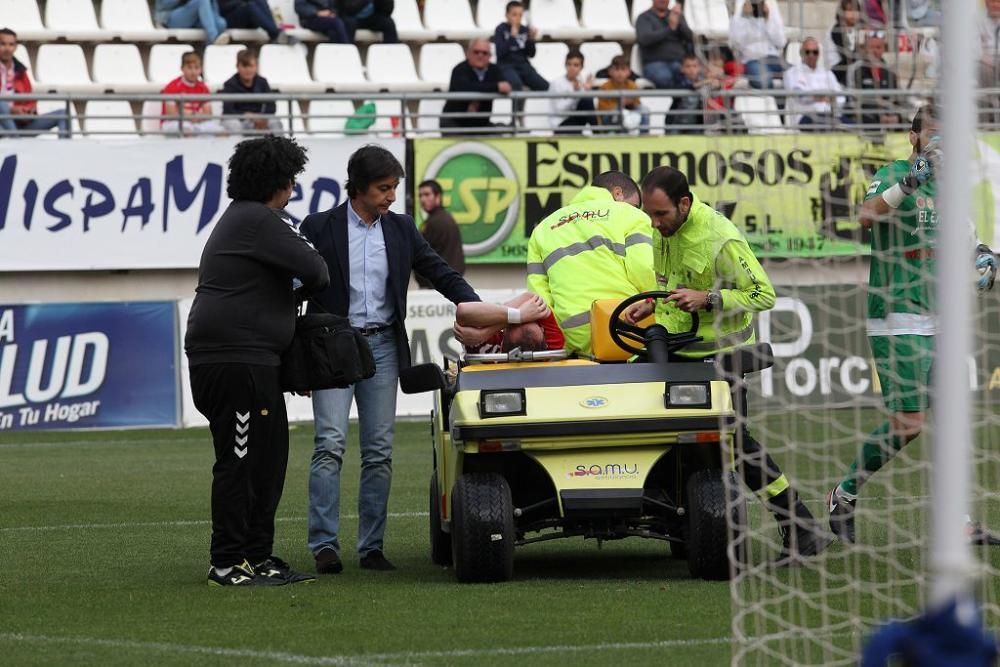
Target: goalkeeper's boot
<point>980,535</point>
<point>840,504</point>
<point>237,575</point>
<point>801,538</point>
<point>277,572</point>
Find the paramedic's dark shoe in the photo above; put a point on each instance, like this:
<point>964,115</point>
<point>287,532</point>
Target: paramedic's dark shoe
<point>841,508</point>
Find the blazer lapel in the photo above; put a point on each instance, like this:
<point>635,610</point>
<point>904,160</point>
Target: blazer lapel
<point>338,230</point>
<point>391,250</point>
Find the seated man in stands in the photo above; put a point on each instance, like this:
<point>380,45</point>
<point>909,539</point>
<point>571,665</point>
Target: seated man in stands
<point>204,14</point>
<point>374,15</point>
<point>811,76</point>
<point>321,16</point>
<point>22,117</point>
<point>873,73</point>
<point>524,322</point>
<point>250,14</point>
<point>196,118</point>
<point>475,75</point>
<point>248,116</point>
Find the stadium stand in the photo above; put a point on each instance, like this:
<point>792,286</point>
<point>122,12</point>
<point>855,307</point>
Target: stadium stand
<point>327,117</point>
<point>86,48</point>
<point>109,119</point>
<point>606,20</point>
<point>130,21</point>
<point>759,112</point>
<point>391,67</point>
<point>437,61</point>
<point>118,68</point>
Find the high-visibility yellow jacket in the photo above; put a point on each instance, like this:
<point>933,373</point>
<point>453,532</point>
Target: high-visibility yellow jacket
<point>594,248</point>
<point>708,253</point>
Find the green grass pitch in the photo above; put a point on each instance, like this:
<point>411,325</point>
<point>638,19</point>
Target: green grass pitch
<point>104,540</point>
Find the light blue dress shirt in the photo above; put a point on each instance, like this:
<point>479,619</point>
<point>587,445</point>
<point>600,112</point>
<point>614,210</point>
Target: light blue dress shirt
<point>369,277</point>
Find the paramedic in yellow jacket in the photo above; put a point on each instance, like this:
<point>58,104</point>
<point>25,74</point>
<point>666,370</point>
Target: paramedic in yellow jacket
<point>702,259</point>
<point>597,247</point>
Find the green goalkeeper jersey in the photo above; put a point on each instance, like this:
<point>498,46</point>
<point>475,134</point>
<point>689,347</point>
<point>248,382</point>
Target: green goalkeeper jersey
<point>901,279</point>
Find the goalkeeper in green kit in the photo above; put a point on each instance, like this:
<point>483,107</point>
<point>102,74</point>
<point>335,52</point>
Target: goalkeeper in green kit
<point>900,210</point>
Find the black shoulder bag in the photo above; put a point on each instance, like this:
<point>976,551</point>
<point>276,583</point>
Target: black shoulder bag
<point>326,353</point>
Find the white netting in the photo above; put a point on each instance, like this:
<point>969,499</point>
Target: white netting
<point>813,411</point>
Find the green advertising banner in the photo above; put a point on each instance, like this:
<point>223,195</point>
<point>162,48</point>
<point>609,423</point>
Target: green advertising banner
<point>792,195</point>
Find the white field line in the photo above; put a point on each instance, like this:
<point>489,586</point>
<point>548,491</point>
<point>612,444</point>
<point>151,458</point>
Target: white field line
<point>205,522</point>
<point>409,657</point>
<point>134,442</point>
<point>170,524</point>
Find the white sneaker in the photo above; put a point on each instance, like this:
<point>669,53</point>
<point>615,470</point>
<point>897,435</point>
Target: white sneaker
<point>223,39</point>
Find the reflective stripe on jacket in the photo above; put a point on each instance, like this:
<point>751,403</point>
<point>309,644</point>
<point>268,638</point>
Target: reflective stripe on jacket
<point>709,253</point>
<point>594,248</point>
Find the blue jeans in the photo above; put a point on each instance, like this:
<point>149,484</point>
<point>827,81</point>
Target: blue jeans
<point>202,14</point>
<point>255,14</point>
<point>376,398</point>
<point>663,73</point>
<point>33,125</point>
<point>760,73</point>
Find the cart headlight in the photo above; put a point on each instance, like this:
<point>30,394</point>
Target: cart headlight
<point>688,395</point>
<point>501,403</point>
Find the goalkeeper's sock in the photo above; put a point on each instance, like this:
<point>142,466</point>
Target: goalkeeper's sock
<point>877,450</point>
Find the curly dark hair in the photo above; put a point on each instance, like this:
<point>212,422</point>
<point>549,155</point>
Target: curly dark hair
<point>262,166</point>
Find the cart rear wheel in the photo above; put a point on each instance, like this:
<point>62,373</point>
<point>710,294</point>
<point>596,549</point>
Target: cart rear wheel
<point>708,534</point>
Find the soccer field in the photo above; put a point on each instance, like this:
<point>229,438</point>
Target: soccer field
<point>105,535</point>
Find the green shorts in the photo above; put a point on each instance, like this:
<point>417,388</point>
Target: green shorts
<point>904,370</point>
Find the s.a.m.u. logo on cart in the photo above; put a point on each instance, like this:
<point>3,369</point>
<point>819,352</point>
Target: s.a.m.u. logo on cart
<point>604,471</point>
<point>594,402</point>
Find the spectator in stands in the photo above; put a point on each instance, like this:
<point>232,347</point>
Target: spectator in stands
<point>840,46</point>
<point>664,39</point>
<point>252,14</point>
<point>717,79</point>
<point>202,14</point>
<point>989,51</point>
<point>515,43</point>
<point>873,73</point>
<point>374,15</point>
<point>808,76</point>
<point>248,116</point>
<point>22,117</point>
<point>569,114</point>
<point>321,16</point>
<point>476,75</point>
<point>757,35</point>
<point>196,118</point>
<point>610,110</point>
<point>688,108</point>
<point>439,230</point>
<point>923,13</point>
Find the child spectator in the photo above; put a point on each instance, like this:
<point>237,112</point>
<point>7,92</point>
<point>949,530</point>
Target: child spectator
<point>610,109</point>
<point>515,43</point>
<point>321,16</point>
<point>689,108</point>
<point>249,116</point>
<point>197,114</point>
<point>202,14</point>
<point>250,14</point>
<point>718,79</point>
<point>569,114</point>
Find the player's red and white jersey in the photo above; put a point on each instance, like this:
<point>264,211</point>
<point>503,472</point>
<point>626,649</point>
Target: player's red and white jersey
<point>554,339</point>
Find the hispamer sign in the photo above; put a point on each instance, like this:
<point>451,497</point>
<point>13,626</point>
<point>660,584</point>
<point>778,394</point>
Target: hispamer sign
<point>88,365</point>
<point>85,204</point>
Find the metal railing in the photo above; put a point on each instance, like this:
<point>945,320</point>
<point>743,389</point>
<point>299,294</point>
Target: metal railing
<point>735,111</point>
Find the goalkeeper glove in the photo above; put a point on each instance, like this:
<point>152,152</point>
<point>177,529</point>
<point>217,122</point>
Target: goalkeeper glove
<point>986,265</point>
<point>924,167</point>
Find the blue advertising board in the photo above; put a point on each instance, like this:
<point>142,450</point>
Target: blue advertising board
<point>88,365</point>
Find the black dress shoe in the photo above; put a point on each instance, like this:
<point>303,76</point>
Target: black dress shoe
<point>376,560</point>
<point>328,562</point>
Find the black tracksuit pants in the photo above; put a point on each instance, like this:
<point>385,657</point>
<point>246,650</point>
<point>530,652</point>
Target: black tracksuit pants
<point>246,413</point>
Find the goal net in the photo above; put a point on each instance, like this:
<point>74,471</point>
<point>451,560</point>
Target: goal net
<point>815,408</point>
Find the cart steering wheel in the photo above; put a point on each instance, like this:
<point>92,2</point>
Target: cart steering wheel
<point>622,332</point>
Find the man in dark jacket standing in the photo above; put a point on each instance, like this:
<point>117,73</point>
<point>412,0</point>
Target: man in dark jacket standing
<point>439,229</point>
<point>476,75</point>
<point>664,39</point>
<point>242,319</point>
<point>370,251</point>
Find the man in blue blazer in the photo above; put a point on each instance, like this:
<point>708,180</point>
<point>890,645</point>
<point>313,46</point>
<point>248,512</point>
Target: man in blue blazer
<point>370,252</point>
